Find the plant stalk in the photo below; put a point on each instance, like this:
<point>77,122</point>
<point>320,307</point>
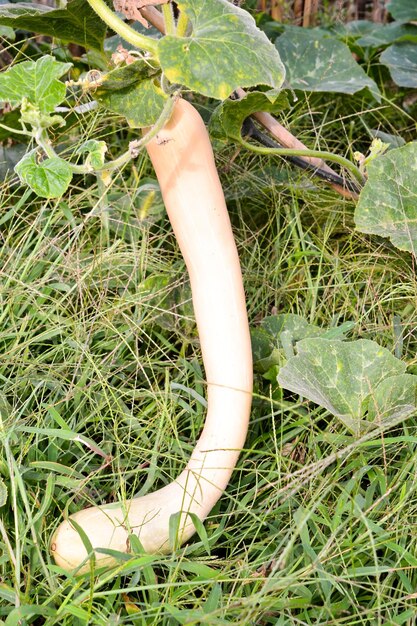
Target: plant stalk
<point>124,30</point>
<point>329,156</point>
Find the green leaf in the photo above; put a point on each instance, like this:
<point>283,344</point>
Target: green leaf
<point>315,61</point>
<point>125,76</point>
<point>393,397</point>
<point>225,50</point>
<point>229,115</point>
<point>387,204</point>
<point>297,328</point>
<point>403,10</point>
<point>386,34</point>
<point>48,179</point>
<point>77,23</point>
<point>339,375</point>
<point>262,344</point>
<point>96,151</point>
<point>141,104</point>
<point>296,325</point>
<point>35,81</point>
<point>401,60</point>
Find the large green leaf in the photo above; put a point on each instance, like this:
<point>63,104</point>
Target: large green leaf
<point>315,61</point>
<point>48,179</point>
<point>37,81</point>
<point>339,375</point>
<point>403,10</point>
<point>229,115</point>
<point>141,103</point>
<point>225,50</point>
<point>387,204</point>
<point>401,60</point>
<point>77,23</point>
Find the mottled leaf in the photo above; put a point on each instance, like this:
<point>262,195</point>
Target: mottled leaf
<point>394,397</point>
<point>315,61</point>
<point>401,60</point>
<point>351,31</point>
<point>229,115</point>
<point>95,151</point>
<point>48,179</point>
<point>387,204</point>
<point>125,76</point>
<point>403,10</point>
<point>339,375</point>
<point>37,81</point>
<point>76,23</point>
<point>141,103</point>
<point>386,34</point>
<point>225,50</point>
<point>296,325</point>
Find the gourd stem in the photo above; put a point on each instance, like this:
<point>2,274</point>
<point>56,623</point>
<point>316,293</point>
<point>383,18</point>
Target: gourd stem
<point>328,156</point>
<point>124,30</point>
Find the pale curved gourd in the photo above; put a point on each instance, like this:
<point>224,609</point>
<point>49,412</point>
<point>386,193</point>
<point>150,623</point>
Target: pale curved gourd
<point>184,164</point>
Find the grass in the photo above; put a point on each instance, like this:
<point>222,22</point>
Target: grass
<point>101,375</point>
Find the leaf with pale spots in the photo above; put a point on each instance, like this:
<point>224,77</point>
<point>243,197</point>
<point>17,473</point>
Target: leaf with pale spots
<point>225,50</point>
<point>387,204</point>
<point>403,10</point>
<point>317,61</point>
<point>339,376</point>
<point>141,103</point>
<point>401,60</point>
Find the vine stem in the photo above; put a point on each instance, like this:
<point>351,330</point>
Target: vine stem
<point>15,130</point>
<point>124,30</point>
<point>328,156</point>
<point>43,142</point>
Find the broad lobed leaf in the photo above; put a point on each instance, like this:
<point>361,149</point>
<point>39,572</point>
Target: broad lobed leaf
<point>315,61</point>
<point>341,376</point>
<point>35,81</point>
<point>387,204</point>
<point>225,50</point>
<point>48,179</point>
